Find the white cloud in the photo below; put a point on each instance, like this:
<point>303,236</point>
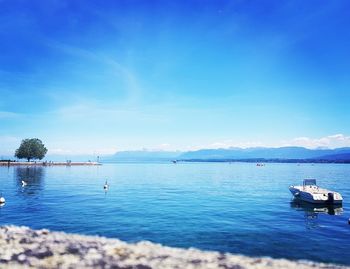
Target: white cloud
<point>8,144</point>
<point>60,151</point>
<point>8,115</point>
<point>9,139</point>
<point>229,144</point>
<point>120,71</point>
<point>331,141</point>
<point>164,146</point>
<point>88,151</point>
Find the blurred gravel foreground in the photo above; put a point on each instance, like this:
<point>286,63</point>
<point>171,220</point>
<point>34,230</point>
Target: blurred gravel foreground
<point>22,247</point>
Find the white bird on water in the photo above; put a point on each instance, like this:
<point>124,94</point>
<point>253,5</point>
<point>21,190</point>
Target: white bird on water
<point>2,199</point>
<point>24,183</point>
<point>106,186</point>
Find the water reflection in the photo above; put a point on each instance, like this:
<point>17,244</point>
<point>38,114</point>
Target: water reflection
<point>311,211</point>
<point>316,208</point>
<point>33,176</point>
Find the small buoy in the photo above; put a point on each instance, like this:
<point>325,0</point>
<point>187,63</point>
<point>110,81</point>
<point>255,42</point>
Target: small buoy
<point>349,221</point>
<point>24,183</point>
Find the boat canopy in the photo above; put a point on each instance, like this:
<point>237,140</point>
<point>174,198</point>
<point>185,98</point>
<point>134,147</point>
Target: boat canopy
<point>308,182</point>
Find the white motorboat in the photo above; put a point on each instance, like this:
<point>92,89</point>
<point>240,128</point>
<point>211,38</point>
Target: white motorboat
<point>310,192</point>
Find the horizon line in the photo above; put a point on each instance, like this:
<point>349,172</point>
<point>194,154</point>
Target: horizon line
<point>95,153</point>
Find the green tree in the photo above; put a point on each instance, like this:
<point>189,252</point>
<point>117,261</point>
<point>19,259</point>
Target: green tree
<point>31,149</point>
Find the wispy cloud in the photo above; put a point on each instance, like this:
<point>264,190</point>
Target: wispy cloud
<point>162,147</point>
<point>90,152</point>
<point>8,115</point>
<point>90,111</point>
<point>331,141</point>
<point>8,139</point>
<point>8,143</point>
<point>127,76</point>
<point>225,144</point>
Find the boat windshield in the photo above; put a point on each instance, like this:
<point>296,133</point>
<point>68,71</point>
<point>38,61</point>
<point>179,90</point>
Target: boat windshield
<point>308,182</point>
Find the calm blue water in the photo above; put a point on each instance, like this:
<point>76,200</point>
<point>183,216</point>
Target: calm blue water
<point>237,208</point>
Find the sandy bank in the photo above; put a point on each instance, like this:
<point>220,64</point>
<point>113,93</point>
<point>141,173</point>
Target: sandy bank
<point>22,247</point>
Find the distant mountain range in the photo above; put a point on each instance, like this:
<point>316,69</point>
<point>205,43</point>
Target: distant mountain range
<point>258,154</point>
<point>142,155</point>
<point>282,154</point>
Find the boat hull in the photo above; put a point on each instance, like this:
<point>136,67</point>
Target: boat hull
<point>328,197</point>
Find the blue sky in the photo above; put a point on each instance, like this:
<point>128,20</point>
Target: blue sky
<point>100,76</point>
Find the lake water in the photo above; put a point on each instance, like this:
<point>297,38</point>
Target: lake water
<point>237,208</point>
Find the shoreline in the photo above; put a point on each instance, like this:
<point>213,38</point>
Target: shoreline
<point>296,161</point>
<point>48,163</point>
<point>23,247</point>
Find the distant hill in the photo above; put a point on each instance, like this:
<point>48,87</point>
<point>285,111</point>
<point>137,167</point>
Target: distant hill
<point>142,155</point>
<point>266,153</point>
<point>293,154</point>
<point>336,157</point>
<point>257,154</point>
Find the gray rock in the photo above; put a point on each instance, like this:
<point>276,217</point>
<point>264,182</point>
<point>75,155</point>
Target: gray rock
<point>22,247</point>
